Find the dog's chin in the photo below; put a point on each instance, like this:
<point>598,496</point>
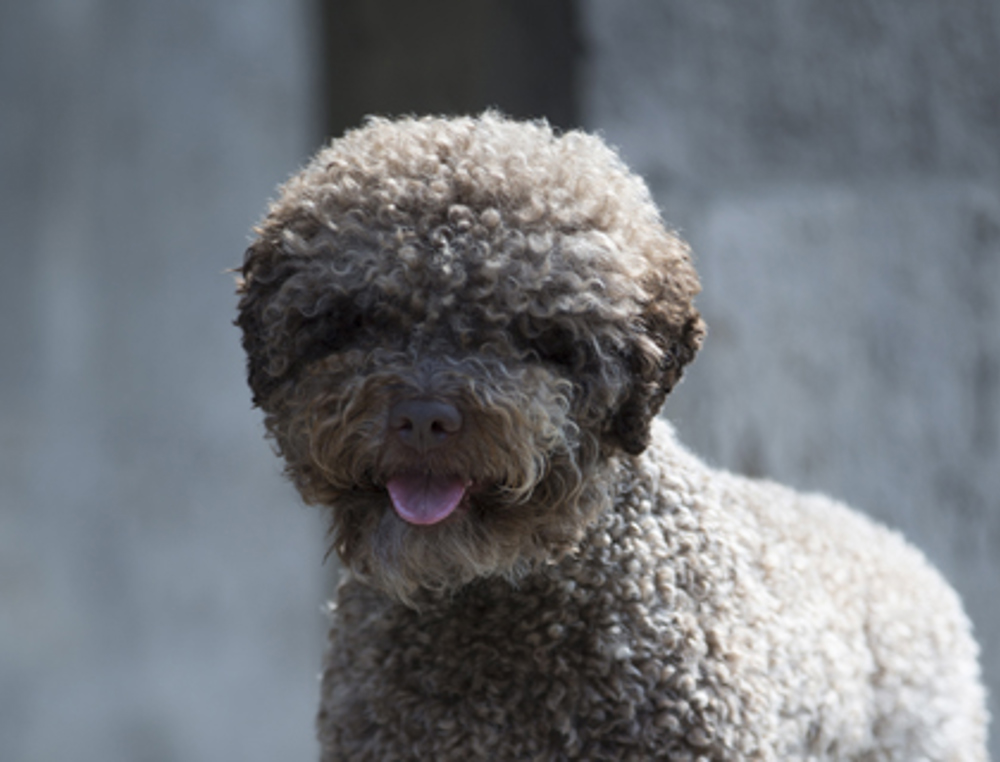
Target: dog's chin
<point>413,529</point>
<point>412,551</point>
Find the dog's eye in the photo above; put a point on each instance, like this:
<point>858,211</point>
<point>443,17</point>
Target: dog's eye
<point>552,343</point>
<point>560,348</point>
<point>330,332</point>
<point>558,355</point>
<point>342,327</point>
<point>355,323</point>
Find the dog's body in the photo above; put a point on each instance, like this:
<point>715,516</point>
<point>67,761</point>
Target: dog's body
<point>704,617</point>
<point>461,332</point>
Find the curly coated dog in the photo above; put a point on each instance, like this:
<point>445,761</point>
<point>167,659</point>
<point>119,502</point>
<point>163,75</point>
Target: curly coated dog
<point>461,332</point>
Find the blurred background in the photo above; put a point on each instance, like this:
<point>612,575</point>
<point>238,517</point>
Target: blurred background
<point>836,167</point>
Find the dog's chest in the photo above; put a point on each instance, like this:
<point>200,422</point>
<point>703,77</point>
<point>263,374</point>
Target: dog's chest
<point>547,670</point>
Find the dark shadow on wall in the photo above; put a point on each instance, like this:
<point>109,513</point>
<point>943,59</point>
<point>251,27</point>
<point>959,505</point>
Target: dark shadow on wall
<point>392,57</point>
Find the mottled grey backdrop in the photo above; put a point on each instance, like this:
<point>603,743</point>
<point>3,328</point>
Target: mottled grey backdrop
<point>160,589</point>
<point>835,165</point>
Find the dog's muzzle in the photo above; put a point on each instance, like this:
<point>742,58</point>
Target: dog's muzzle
<point>423,425</point>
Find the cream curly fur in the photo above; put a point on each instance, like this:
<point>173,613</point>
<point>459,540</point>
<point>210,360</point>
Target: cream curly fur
<point>596,592</point>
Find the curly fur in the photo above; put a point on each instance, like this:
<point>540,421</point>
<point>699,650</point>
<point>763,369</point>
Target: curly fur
<point>598,593</point>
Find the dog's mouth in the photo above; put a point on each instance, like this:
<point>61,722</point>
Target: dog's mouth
<point>425,498</point>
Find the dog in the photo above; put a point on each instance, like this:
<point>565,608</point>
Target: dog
<point>460,332</point>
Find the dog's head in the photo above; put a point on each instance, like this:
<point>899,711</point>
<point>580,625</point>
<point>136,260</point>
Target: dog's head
<point>455,329</point>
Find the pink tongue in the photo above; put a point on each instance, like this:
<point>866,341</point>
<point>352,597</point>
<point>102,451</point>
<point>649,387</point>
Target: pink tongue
<point>425,499</point>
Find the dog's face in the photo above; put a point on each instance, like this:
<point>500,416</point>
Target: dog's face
<point>454,328</point>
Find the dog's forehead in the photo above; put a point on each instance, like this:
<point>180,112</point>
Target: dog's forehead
<point>444,199</point>
<point>474,224</point>
<point>487,272</point>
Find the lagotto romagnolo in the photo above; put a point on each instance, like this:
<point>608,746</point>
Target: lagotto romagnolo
<point>460,332</point>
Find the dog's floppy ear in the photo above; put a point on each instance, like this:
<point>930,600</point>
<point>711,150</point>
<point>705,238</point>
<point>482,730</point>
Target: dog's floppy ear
<point>653,376</point>
<point>256,288</point>
<point>671,332</point>
<point>268,327</point>
<point>293,311</point>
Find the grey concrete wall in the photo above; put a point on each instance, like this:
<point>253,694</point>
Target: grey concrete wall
<point>160,586</point>
<point>836,167</point>
<point>395,57</point>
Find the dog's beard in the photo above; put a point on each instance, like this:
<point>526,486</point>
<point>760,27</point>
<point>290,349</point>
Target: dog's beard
<point>530,473</point>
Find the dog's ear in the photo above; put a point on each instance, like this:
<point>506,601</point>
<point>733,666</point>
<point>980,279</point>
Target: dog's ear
<point>671,334</point>
<point>256,288</point>
<point>293,310</point>
<point>654,374</point>
<point>268,327</point>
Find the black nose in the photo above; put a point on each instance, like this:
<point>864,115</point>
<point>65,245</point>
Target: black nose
<point>424,424</point>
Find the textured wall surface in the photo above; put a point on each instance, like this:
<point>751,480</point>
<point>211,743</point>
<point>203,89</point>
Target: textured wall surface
<point>448,57</point>
<point>159,586</point>
<point>836,167</point>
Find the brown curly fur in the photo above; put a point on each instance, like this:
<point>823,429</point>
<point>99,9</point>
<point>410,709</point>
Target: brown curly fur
<point>533,286</point>
<point>599,594</point>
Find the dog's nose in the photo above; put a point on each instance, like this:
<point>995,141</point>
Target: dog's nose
<point>424,424</point>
